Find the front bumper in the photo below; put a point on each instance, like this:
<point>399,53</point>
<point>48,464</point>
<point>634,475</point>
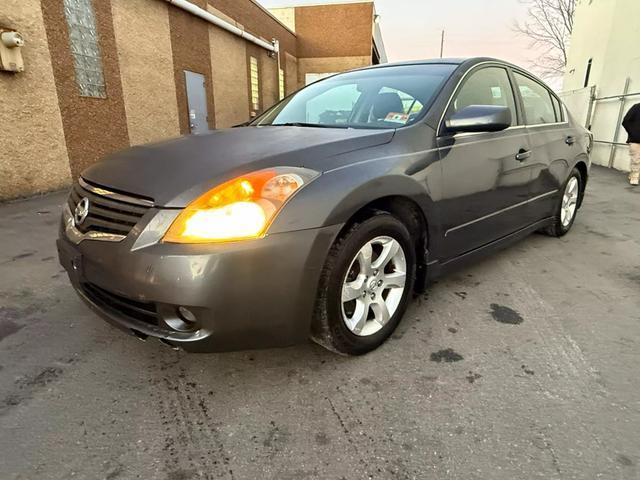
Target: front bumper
<point>250,294</point>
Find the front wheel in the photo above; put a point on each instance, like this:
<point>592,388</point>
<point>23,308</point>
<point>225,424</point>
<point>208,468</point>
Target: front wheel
<point>567,207</point>
<point>365,286</point>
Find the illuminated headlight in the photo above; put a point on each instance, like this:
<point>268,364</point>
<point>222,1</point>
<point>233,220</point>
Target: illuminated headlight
<point>239,209</point>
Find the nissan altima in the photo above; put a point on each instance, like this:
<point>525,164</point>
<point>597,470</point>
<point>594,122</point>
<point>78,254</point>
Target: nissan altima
<point>320,218</point>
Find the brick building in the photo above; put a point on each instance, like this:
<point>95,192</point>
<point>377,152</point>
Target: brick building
<point>102,75</point>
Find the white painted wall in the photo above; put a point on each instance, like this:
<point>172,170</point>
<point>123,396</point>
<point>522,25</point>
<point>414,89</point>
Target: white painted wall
<point>608,32</point>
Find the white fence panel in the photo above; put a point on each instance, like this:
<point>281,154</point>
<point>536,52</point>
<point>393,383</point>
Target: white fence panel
<point>577,102</point>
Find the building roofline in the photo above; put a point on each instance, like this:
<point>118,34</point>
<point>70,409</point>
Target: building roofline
<point>293,4</point>
<point>378,41</point>
<point>273,17</point>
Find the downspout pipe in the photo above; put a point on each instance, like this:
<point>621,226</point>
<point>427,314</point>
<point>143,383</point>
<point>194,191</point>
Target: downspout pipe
<point>208,17</point>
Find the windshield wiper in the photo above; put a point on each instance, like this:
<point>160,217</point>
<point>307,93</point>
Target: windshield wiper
<point>305,124</point>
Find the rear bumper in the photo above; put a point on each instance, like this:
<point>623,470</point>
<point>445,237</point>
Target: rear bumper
<point>245,295</point>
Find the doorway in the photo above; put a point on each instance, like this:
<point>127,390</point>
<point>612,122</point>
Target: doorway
<point>197,102</point>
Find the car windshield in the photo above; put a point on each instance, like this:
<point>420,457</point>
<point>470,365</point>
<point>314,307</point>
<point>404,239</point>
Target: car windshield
<point>389,97</point>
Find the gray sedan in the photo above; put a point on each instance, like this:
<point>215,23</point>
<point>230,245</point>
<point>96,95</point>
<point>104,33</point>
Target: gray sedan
<point>323,216</point>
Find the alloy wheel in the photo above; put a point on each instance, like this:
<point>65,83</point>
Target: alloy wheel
<point>373,286</point>
<point>569,201</point>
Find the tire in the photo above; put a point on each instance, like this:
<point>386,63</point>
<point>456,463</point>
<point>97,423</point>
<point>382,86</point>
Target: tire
<point>338,324</point>
<point>560,226</point>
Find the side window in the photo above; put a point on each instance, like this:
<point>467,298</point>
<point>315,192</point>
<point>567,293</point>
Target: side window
<point>557,107</point>
<point>489,86</point>
<point>538,107</point>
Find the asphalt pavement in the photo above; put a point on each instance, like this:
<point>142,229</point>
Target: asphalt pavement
<point>523,366</point>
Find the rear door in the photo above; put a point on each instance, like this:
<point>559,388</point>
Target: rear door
<point>552,143</point>
<point>485,187</point>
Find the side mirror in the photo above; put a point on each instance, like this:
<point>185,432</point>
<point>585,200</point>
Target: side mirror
<point>479,118</point>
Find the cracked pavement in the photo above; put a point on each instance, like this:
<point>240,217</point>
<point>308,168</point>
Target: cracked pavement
<point>524,365</point>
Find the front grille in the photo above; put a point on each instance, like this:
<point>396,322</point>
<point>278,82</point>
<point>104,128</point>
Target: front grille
<point>141,311</point>
<point>107,214</point>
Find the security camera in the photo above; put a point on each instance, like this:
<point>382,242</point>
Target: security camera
<point>12,39</point>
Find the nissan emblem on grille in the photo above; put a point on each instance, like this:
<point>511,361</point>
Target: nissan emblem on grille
<point>81,212</point>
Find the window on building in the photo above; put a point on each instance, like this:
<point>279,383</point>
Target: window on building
<point>281,83</point>
<point>488,86</point>
<point>255,83</point>
<point>83,39</point>
<point>538,107</point>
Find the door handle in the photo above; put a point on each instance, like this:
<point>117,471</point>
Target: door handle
<point>570,140</point>
<point>523,154</point>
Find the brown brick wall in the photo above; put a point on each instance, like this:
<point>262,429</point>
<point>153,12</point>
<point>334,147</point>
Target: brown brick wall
<point>145,85</point>
<point>290,74</point>
<point>335,30</point>
<point>258,22</point>
<point>93,127</point>
<point>269,81</point>
<point>191,51</point>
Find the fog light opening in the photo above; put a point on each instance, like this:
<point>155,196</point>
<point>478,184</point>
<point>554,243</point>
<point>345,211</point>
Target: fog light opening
<point>181,319</point>
<point>187,316</point>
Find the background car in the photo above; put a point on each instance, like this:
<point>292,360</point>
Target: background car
<point>324,215</point>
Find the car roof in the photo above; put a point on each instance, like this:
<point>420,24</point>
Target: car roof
<point>470,61</point>
<point>466,63</point>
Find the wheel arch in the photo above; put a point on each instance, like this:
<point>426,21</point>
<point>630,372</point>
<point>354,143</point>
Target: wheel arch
<point>409,212</point>
<point>581,165</point>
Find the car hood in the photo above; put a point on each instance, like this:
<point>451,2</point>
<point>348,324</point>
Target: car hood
<point>175,172</point>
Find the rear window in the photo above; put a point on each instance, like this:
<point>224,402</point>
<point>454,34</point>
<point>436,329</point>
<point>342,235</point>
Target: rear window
<point>557,107</point>
<point>538,107</point>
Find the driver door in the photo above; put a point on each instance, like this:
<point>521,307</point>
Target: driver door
<point>485,187</point>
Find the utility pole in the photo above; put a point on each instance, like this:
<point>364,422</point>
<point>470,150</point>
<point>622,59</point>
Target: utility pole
<point>442,44</point>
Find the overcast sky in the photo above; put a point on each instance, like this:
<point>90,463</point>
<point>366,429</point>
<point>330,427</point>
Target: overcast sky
<point>411,28</point>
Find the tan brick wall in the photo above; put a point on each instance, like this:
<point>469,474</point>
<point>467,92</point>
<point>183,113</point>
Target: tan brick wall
<point>291,74</point>
<point>269,80</point>
<point>144,51</point>
<point>286,16</point>
<point>329,65</point>
<point>33,154</point>
<point>230,82</point>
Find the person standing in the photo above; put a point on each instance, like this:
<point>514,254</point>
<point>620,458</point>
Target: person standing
<point>631,124</point>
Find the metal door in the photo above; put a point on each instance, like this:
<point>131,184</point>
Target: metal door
<point>197,102</point>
